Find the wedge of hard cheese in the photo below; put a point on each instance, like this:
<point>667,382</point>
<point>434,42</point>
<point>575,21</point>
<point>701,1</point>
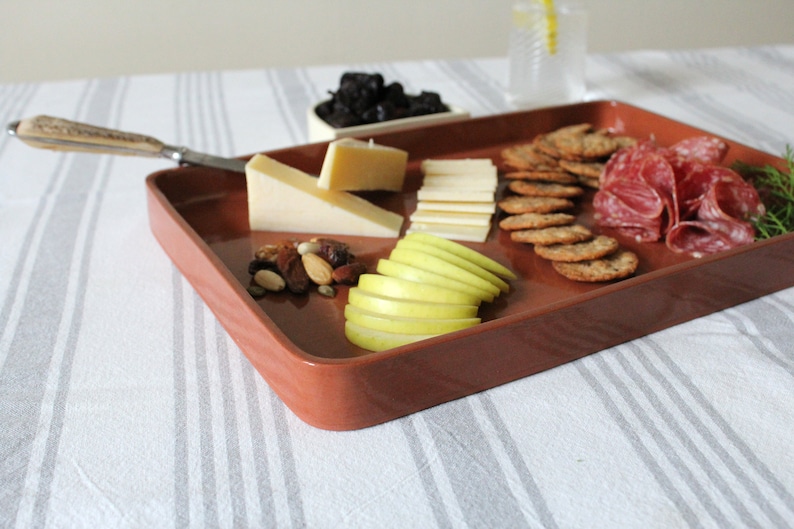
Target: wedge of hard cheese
<point>282,198</point>
<point>355,165</point>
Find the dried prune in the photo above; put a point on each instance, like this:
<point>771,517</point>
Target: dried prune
<point>363,98</point>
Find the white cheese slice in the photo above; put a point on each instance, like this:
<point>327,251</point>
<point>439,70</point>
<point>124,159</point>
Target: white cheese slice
<point>472,181</point>
<point>282,198</point>
<point>449,217</point>
<point>451,194</point>
<point>466,165</point>
<point>460,207</point>
<point>450,231</point>
<point>355,165</point>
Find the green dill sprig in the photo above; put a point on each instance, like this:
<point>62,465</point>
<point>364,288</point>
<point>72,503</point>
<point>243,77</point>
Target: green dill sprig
<point>776,188</point>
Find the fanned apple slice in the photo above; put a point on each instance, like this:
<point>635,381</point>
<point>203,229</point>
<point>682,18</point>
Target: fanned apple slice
<point>373,340</point>
<point>408,308</point>
<point>396,287</point>
<point>463,251</point>
<point>439,266</point>
<point>404,324</point>
<point>391,268</point>
<point>450,257</point>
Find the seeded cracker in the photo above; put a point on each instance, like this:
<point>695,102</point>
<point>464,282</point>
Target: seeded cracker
<point>527,156</point>
<point>596,248</point>
<point>560,177</point>
<point>587,146</point>
<point>515,204</point>
<point>618,265</point>
<point>544,189</point>
<point>525,221</point>
<point>552,235</point>
<point>591,169</point>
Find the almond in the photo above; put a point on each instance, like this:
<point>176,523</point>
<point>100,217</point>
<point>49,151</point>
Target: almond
<point>318,269</point>
<point>269,280</point>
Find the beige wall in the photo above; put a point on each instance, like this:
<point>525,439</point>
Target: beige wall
<point>61,39</point>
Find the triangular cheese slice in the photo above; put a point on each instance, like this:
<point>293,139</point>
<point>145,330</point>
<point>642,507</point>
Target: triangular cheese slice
<point>282,198</point>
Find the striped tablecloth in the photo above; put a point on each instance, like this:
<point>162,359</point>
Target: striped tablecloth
<point>123,403</point>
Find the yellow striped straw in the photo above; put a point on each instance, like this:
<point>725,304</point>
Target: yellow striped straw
<point>522,19</point>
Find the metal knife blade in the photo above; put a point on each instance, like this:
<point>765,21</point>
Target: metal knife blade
<point>46,132</point>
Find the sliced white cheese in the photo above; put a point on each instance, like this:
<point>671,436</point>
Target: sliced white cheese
<point>449,217</point>
<point>460,207</point>
<point>472,181</point>
<point>450,231</point>
<point>282,198</point>
<point>466,165</point>
<point>355,165</point>
<point>451,194</point>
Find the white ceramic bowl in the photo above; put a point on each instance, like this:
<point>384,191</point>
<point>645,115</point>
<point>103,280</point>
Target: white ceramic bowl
<point>319,130</point>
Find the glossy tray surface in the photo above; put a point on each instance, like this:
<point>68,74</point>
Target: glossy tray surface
<point>297,343</point>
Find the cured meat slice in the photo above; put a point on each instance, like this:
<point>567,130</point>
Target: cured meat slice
<point>701,237</point>
<point>731,200</point>
<point>705,149</point>
<point>613,212</point>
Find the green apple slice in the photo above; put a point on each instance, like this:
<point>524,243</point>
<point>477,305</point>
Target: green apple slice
<point>441,267</point>
<point>464,252</point>
<point>391,268</point>
<point>469,266</point>
<point>408,308</point>
<point>373,340</point>
<point>406,325</point>
<point>396,287</point>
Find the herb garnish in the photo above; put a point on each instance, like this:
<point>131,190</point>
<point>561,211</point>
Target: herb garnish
<point>776,189</point>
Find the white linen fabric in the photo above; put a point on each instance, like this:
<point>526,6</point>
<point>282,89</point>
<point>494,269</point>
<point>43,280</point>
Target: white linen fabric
<point>124,404</point>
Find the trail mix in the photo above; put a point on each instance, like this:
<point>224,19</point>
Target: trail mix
<point>297,266</point>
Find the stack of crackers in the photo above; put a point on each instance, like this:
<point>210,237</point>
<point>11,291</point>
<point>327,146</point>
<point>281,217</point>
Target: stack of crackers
<point>546,177</point>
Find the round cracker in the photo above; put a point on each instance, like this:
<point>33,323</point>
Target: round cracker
<point>618,265</point>
<point>560,177</point>
<point>596,248</point>
<point>591,169</point>
<point>520,204</point>
<point>525,221</point>
<point>587,146</point>
<point>544,189</point>
<point>552,235</point>
<point>527,156</point>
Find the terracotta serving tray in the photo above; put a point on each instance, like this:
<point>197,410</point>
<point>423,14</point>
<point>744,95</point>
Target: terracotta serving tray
<point>297,343</point>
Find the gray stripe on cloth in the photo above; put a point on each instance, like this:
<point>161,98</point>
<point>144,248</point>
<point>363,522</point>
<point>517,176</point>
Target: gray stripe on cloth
<point>33,347</point>
<point>637,443</point>
<point>286,452</point>
<point>539,503</point>
<point>181,475</point>
<point>746,129</point>
<point>293,98</point>
<point>755,463</point>
<point>221,144</point>
<point>704,431</point>
<point>264,487</point>
<point>482,87</point>
<point>738,78</point>
<point>434,499</point>
<point>477,479</point>
<point>181,449</point>
<point>771,57</point>
<point>697,453</point>
<point>771,324</point>
<point>11,108</point>
<point>670,454</point>
<point>209,492</point>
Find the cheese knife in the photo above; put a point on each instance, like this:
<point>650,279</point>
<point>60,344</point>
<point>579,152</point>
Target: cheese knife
<point>46,132</point>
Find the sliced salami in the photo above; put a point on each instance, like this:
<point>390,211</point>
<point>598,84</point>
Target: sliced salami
<point>705,149</point>
<point>679,194</point>
<point>701,237</point>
